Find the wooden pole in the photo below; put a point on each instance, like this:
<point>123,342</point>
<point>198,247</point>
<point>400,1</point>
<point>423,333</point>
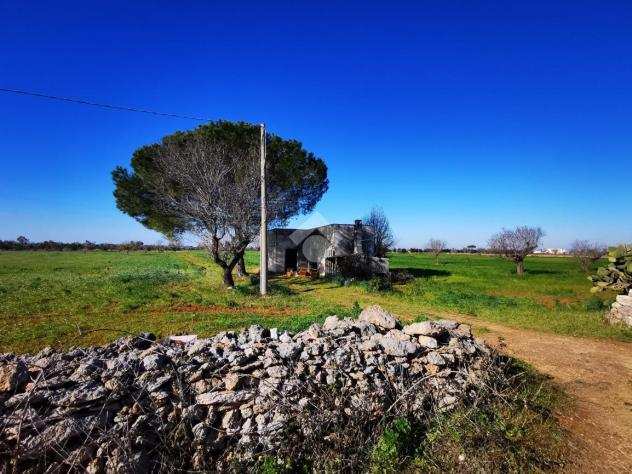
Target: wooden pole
<point>263,237</point>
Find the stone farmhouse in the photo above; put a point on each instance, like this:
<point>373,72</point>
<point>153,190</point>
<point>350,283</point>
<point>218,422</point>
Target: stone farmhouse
<point>327,250</point>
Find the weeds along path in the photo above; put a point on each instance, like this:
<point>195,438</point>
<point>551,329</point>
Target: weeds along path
<point>597,374</point>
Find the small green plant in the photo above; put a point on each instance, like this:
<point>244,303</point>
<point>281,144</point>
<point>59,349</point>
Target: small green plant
<point>356,309</point>
<point>272,465</point>
<point>379,284</point>
<point>339,280</point>
<point>594,304</point>
<point>390,448</point>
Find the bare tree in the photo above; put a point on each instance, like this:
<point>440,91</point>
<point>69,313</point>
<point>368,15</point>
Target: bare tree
<point>587,253</point>
<point>516,244</point>
<point>22,240</point>
<point>436,246</point>
<point>213,185</point>
<point>383,239</point>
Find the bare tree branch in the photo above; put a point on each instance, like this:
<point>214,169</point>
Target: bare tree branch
<point>587,253</point>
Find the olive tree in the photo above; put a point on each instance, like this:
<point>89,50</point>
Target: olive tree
<point>383,238</point>
<point>207,181</point>
<point>587,253</point>
<point>516,244</point>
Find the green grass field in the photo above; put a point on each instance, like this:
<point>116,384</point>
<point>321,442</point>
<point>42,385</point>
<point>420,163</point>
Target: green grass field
<point>75,298</point>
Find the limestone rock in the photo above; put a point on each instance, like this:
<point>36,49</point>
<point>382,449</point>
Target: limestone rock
<point>398,348</point>
<point>424,328</point>
<point>428,342</point>
<point>330,323</point>
<point>225,397</point>
<point>378,316</point>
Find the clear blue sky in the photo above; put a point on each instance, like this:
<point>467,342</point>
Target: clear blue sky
<point>458,118</point>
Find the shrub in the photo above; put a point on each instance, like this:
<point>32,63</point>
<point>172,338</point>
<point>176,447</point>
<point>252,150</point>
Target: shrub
<point>339,280</point>
<point>379,284</point>
<point>594,304</point>
<point>399,276</point>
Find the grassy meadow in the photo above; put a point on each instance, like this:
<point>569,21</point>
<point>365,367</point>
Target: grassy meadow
<point>75,298</point>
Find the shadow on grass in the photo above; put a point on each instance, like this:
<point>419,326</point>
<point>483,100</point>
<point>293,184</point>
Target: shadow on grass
<point>424,272</point>
<point>274,288</point>
<point>542,272</point>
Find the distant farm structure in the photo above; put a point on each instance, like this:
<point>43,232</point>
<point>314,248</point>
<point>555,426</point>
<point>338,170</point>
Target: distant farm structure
<point>326,250</point>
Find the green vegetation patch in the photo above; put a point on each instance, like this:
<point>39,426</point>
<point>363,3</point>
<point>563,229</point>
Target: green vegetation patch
<point>75,298</point>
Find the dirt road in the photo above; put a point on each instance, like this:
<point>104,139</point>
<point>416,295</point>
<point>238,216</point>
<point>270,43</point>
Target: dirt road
<point>598,375</point>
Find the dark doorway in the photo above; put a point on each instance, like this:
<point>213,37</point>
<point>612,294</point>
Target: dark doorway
<point>291,259</point>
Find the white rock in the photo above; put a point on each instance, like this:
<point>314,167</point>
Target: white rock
<point>397,334</point>
<point>446,323</point>
<point>225,397</point>
<point>435,358</point>
<point>330,323</point>
<point>428,342</point>
<point>424,328</point>
<point>397,348</point>
<point>378,316</point>
<point>184,339</point>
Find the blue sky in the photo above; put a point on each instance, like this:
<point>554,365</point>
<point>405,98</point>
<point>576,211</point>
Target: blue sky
<point>458,118</point>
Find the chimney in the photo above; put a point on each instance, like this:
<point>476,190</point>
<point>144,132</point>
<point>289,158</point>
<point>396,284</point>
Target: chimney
<point>357,236</point>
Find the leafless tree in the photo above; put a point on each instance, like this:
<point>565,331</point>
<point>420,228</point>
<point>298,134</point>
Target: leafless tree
<point>587,253</point>
<point>215,187</point>
<point>383,238</point>
<point>516,244</point>
<point>436,246</point>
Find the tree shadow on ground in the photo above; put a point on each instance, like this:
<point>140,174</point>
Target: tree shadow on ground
<point>542,272</point>
<point>424,272</point>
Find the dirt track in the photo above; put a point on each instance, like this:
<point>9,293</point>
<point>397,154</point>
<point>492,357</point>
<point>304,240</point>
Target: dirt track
<point>598,375</point>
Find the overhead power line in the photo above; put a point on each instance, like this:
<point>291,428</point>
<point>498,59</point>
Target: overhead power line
<point>103,106</point>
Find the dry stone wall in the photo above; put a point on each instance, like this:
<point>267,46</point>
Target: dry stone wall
<point>621,310</point>
<point>140,405</point>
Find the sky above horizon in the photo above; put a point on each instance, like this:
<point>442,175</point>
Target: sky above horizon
<point>458,118</point>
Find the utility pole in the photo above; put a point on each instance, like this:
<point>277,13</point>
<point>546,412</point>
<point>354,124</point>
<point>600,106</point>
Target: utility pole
<point>263,238</point>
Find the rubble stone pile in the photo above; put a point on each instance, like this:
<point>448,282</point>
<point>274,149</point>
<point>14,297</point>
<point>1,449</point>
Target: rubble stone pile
<point>617,276</point>
<point>140,405</point>
<point>621,310</point>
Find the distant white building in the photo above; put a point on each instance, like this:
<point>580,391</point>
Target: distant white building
<point>551,251</point>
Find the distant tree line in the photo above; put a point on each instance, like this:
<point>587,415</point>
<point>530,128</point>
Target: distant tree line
<point>22,243</point>
<point>468,249</point>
